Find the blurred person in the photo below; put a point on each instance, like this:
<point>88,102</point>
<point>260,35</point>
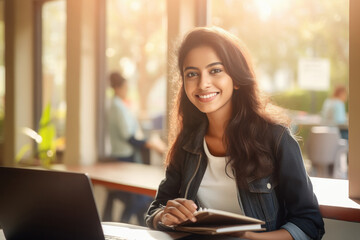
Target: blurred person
<point>232,150</point>
<point>126,146</point>
<point>333,110</point>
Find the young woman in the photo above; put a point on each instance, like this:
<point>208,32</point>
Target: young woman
<point>232,149</point>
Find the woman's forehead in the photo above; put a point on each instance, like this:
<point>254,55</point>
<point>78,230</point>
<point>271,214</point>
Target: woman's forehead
<point>200,56</point>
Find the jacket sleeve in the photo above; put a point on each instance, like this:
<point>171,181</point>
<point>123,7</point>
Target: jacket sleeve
<point>296,189</point>
<point>169,189</point>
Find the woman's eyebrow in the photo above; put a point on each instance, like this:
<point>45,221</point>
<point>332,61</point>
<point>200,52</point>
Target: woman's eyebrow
<point>207,66</point>
<point>187,68</point>
<point>214,63</point>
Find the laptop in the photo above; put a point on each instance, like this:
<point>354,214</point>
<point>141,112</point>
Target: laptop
<point>44,204</point>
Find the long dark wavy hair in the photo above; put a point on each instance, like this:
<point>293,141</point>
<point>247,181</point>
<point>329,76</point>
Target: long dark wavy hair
<point>252,114</point>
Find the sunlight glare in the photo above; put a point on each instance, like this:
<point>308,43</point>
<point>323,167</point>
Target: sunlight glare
<point>149,47</point>
<point>267,7</point>
<point>128,67</point>
<point>110,52</point>
<point>135,5</point>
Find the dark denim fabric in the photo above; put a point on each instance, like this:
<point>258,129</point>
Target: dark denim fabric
<point>284,197</point>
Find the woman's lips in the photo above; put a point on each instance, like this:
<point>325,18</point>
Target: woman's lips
<point>207,97</point>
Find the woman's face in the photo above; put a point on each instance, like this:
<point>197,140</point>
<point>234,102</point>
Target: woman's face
<point>206,83</point>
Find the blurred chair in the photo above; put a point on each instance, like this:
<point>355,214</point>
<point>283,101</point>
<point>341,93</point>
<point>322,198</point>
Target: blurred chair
<point>327,152</point>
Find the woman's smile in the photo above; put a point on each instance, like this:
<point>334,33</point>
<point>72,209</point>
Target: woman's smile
<point>207,97</point>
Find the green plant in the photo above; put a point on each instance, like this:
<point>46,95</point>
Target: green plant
<point>44,138</point>
<point>301,100</point>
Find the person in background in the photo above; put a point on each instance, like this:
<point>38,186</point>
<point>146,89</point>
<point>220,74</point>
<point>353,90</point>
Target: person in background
<point>334,112</point>
<point>126,145</point>
<point>232,150</point>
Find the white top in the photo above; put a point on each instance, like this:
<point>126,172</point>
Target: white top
<point>218,190</point>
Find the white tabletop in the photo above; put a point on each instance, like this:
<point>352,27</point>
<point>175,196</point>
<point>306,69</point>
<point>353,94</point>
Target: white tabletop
<point>124,230</point>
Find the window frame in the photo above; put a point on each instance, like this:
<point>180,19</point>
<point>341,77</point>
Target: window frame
<point>354,99</point>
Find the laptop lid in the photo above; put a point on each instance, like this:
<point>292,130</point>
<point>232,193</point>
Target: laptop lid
<point>43,204</point>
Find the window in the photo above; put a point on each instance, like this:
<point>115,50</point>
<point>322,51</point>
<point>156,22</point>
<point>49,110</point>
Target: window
<point>282,35</point>
<point>50,65</point>
<point>294,29</point>
<point>2,70</point>
<point>136,47</point>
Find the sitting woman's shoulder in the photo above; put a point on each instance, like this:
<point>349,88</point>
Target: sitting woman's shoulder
<point>277,130</point>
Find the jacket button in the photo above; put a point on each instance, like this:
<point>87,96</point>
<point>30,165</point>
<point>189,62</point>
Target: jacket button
<point>268,185</point>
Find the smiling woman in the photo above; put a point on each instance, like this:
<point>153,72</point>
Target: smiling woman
<point>232,151</point>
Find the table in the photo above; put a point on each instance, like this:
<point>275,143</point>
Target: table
<point>131,177</point>
<point>334,201</point>
<point>130,231</point>
<point>311,120</point>
<point>332,194</point>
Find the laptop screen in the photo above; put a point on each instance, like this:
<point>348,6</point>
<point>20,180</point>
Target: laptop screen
<point>42,204</point>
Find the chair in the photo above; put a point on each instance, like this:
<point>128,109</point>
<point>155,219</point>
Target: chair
<point>327,152</point>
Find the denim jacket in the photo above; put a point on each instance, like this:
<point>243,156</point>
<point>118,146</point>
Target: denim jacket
<point>284,199</point>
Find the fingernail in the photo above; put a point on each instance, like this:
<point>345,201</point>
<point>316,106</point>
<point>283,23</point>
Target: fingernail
<point>195,205</point>
<point>193,219</point>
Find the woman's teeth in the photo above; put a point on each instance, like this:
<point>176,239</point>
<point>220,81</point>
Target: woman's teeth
<point>208,95</point>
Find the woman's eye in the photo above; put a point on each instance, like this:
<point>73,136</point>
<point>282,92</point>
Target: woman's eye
<point>191,74</point>
<point>215,70</point>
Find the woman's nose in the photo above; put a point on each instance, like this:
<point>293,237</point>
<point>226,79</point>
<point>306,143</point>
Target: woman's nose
<point>204,81</point>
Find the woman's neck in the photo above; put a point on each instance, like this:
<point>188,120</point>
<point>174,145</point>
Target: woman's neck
<point>218,124</point>
<point>216,128</point>
<point>215,135</point>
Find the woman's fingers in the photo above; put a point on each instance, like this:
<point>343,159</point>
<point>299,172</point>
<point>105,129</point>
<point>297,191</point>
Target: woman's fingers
<point>178,210</point>
<point>182,208</point>
<point>190,205</point>
<point>169,219</point>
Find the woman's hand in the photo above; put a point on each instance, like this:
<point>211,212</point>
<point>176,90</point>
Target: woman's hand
<point>177,211</point>
<point>240,235</point>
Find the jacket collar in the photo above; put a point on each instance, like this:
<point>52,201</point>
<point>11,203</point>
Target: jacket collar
<point>195,140</point>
